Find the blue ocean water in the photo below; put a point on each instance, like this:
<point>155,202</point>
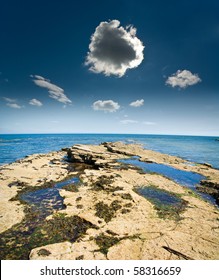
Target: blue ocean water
<point>194,148</point>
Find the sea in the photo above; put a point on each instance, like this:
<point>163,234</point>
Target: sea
<point>199,149</point>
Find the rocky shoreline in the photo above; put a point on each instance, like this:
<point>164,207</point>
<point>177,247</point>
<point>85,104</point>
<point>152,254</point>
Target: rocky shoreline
<point>106,215</point>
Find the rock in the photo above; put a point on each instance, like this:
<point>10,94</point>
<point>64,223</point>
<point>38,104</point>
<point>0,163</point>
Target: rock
<point>126,249</point>
<point>113,149</point>
<point>126,225</point>
<point>207,164</point>
<point>210,188</point>
<point>64,149</point>
<point>210,184</point>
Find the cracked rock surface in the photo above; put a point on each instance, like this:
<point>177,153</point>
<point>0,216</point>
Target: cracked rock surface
<point>125,225</point>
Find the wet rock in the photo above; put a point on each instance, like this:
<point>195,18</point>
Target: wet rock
<point>207,164</point>
<point>210,184</point>
<point>64,149</point>
<point>210,188</point>
<point>43,252</point>
<point>17,183</point>
<point>76,157</point>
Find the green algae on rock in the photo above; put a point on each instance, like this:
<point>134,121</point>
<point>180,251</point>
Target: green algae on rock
<point>28,235</point>
<point>167,204</point>
<point>106,218</point>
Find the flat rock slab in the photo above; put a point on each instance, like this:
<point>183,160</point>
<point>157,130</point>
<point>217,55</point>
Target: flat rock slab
<point>126,225</point>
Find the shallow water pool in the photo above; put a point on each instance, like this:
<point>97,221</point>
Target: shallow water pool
<point>158,196</point>
<point>47,200</point>
<point>184,178</point>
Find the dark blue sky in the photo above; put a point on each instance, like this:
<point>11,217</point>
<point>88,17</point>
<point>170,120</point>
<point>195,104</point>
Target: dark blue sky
<point>51,39</point>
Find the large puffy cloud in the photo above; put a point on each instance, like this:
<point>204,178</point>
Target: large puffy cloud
<point>106,106</point>
<point>137,103</point>
<point>35,102</point>
<point>55,92</point>
<point>114,49</point>
<point>183,79</point>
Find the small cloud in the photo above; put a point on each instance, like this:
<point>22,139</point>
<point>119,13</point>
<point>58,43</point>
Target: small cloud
<point>125,116</point>
<point>14,105</point>
<point>39,78</point>
<point>128,121</point>
<point>114,49</point>
<point>149,123</point>
<point>55,92</point>
<point>9,99</point>
<point>106,106</point>
<point>137,103</point>
<point>183,79</point>
<point>35,102</point>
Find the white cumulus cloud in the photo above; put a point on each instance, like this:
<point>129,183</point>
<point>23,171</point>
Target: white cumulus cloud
<point>183,79</point>
<point>14,105</point>
<point>114,49</point>
<point>137,103</point>
<point>106,106</point>
<point>35,102</point>
<point>128,121</point>
<point>55,92</point>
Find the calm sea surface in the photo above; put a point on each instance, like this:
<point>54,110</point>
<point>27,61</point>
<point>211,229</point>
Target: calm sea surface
<point>194,148</point>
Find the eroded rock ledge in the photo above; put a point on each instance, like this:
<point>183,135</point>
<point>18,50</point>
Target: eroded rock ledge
<point>118,222</point>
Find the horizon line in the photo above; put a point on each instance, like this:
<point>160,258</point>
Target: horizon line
<point>106,133</point>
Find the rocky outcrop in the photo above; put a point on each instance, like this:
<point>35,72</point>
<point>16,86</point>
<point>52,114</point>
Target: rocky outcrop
<point>90,155</point>
<point>105,217</point>
<point>114,148</point>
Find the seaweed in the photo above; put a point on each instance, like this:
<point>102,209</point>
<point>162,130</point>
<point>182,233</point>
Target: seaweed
<point>43,252</point>
<point>71,188</point>
<point>105,211</point>
<point>18,241</point>
<point>126,196</point>
<point>168,205</point>
<point>81,257</point>
<point>105,242</point>
<point>102,183</point>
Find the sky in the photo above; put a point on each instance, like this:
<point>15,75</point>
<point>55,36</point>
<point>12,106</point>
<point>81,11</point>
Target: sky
<point>124,66</point>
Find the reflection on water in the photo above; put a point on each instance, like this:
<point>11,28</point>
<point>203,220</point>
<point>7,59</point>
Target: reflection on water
<point>167,204</point>
<point>181,177</point>
<point>185,178</point>
<point>158,196</point>
<point>49,199</point>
